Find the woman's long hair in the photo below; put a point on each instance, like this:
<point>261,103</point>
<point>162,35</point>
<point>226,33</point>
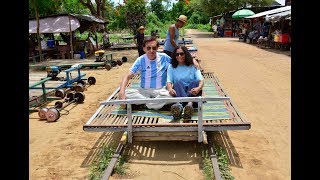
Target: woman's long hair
<point>188,58</point>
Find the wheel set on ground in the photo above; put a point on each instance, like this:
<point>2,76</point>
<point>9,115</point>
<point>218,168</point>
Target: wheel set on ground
<point>53,114</point>
<point>114,63</point>
<point>79,87</point>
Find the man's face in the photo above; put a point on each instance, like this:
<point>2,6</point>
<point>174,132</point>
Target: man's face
<point>151,49</point>
<point>181,23</point>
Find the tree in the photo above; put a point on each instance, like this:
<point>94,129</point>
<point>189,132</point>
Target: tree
<point>157,8</point>
<point>73,6</point>
<point>44,7</point>
<point>135,14</point>
<point>97,9</point>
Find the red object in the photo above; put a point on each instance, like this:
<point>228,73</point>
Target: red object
<point>228,33</point>
<point>284,38</point>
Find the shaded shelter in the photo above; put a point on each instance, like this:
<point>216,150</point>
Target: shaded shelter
<point>229,20</point>
<point>66,23</point>
<point>273,11</point>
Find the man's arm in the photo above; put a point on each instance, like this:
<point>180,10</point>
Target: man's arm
<point>135,40</point>
<point>123,85</point>
<point>171,32</point>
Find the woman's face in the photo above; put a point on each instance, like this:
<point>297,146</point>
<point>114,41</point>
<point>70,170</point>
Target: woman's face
<point>180,56</point>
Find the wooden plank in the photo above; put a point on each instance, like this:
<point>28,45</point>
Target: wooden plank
<point>174,124</point>
<point>150,134</point>
<point>150,124</point>
<point>200,129</point>
<point>165,138</point>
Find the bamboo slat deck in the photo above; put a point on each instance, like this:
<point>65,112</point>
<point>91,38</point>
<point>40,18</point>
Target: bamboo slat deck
<point>67,63</point>
<point>155,128</point>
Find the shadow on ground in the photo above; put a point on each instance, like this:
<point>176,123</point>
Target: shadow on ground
<point>222,139</point>
<point>273,50</point>
<point>110,139</point>
<point>156,152</point>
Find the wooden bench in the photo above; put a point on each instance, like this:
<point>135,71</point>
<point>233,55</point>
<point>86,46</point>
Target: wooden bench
<point>38,56</point>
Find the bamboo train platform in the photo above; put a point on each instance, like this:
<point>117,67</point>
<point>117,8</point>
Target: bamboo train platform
<point>215,112</point>
<point>67,63</point>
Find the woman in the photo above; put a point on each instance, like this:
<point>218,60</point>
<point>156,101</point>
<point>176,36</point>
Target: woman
<point>138,40</point>
<point>183,80</point>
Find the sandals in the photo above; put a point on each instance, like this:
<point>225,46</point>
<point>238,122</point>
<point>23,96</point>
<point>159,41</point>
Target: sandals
<point>176,111</point>
<point>187,112</point>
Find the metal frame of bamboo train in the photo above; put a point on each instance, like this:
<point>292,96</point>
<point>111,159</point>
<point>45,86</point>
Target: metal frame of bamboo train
<point>103,121</point>
<point>38,100</point>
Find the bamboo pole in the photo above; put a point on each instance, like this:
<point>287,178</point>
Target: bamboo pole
<point>38,27</point>
<point>71,44</point>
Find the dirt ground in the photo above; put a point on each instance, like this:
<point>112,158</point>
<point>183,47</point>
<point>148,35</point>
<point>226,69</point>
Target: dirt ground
<point>257,80</point>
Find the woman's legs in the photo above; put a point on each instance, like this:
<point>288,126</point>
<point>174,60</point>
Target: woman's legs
<point>180,89</point>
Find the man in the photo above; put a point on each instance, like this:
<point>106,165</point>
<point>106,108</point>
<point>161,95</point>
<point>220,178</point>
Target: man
<point>153,70</point>
<point>138,40</point>
<point>171,41</point>
<point>106,40</point>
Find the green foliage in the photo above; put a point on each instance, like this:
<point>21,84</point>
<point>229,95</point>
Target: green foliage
<point>178,9</point>
<point>153,23</point>
<point>98,167</point>
<point>223,163</point>
<point>44,7</point>
<point>198,18</point>
<point>73,6</point>
<point>135,14</point>
<point>118,19</point>
<point>120,168</point>
<point>157,8</point>
<point>207,165</point>
<point>201,27</point>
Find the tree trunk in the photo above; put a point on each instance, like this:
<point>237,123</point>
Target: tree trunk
<point>38,27</point>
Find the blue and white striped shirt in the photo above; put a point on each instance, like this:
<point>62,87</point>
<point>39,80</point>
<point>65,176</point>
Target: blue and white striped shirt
<point>153,72</point>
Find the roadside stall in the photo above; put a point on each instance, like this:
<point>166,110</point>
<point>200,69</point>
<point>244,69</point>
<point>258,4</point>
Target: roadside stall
<point>65,26</point>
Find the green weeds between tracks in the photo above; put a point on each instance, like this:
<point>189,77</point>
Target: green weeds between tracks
<point>223,163</point>
<point>98,167</point>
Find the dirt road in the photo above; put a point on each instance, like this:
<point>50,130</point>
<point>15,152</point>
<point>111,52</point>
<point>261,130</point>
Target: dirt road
<point>257,80</point>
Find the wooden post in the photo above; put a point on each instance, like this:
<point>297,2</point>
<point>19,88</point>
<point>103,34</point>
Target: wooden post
<point>200,125</point>
<point>38,27</point>
<point>71,44</point>
<point>129,131</point>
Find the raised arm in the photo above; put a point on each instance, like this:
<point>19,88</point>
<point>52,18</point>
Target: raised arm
<point>172,31</point>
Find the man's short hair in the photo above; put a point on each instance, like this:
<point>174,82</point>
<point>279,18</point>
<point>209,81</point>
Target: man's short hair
<point>149,39</point>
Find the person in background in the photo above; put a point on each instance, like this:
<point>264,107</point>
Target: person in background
<point>155,34</point>
<point>106,40</point>
<point>153,69</point>
<point>183,80</point>
<point>171,40</point>
<point>138,40</point>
